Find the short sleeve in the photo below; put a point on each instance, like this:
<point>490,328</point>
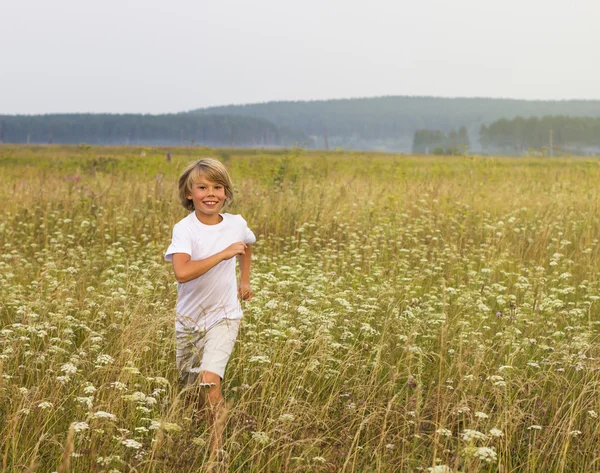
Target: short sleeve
<point>249,237</point>
<point>180,243</point>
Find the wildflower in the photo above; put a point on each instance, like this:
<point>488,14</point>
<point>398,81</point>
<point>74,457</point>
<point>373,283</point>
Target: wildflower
<point>166,426</point>
<point>130,443</point>
<point>160,381</point>
<point>68,368</point>
<point>496,432</point>
<point>80,426</point>
<point>444,432</point>
<point>534,427</point>
<point>261,359</point>
<point>45,405</point>
<point>469,435</point>
<point>286,417</point>
<point>319,460</point>
<point>261,438</point>
<point>440,469</point>
<point>104,415</point>
<point>575,433</point>
<point>86,401</point>
<point>119,386</point>
<point>136,396</point>
<point>486,454</point>
<point>103,360</point>
<point>592,414</point>
<point>481,415</point>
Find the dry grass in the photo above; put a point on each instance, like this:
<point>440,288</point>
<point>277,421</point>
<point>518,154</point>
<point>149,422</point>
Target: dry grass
<point>410,314</point>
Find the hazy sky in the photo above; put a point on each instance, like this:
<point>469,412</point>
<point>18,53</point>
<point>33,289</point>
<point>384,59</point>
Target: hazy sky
<point>167,56</point>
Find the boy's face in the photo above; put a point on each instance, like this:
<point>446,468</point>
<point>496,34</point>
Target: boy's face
<point>208,197</point>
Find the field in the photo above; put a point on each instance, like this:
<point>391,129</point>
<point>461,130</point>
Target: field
<point>410,314</point>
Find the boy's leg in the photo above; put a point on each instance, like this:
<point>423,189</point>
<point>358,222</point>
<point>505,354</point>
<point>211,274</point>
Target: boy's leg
<point>219,343</point>
<point>188,356</point>
<point>217,416</point>
<point>214,394</point>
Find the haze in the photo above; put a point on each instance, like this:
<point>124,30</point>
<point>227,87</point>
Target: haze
<point>157,57</point>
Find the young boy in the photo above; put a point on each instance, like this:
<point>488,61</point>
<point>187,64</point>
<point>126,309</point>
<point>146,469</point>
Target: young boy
<point>202,252</point>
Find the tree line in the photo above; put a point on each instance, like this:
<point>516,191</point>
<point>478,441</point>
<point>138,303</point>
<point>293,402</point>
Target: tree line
<point>557,132</point>
<point>168,129</point>
<point>389,123</point>
<point>437,142</point>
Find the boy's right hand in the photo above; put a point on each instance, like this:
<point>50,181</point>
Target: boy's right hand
<point>237,248</point>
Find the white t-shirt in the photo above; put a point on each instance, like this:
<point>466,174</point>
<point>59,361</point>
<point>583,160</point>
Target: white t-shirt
<point>204,301</point>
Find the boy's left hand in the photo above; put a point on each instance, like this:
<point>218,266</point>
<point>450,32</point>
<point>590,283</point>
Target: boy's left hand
<point>244,291</point>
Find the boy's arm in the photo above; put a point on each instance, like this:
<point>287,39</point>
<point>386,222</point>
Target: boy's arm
<point>186,269</point>
<point>244,290</point>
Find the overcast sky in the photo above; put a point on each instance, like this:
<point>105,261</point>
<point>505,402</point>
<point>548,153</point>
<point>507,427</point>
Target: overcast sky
<point>167,56</point>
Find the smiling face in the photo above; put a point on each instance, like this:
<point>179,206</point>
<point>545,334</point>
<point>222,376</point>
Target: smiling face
<point>208,197</point>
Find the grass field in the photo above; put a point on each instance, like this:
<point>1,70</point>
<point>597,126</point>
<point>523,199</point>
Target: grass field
<point>410,314</point>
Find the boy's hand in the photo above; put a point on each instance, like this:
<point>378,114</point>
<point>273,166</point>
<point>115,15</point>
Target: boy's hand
<point>237,248</point>
<point>244,291</point>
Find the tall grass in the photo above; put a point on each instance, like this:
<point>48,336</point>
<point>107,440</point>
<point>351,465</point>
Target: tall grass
<point>411,314</point>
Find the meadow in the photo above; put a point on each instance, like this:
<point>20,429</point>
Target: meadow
<point>411,314</point>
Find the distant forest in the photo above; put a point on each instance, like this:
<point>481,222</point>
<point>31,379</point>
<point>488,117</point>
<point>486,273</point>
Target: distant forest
<point>389,123</point>
<point>173,129</point>
<point>569,134</point>
<point>399,124</point>
<point>437,142</point>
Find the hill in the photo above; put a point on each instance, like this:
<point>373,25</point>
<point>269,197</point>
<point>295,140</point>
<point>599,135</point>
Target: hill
<point>170,129</point>
<point>389,123</point>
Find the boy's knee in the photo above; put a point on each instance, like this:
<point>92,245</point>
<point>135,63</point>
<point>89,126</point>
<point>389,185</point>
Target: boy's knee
<point>210,378</point>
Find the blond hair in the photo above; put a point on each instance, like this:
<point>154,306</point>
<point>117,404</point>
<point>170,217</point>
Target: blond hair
<point>212,170</point>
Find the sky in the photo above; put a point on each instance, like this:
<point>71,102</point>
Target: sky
<point>148,56</point>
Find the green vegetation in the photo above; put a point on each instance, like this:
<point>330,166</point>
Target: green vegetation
<point>389,123</point>
<point>411,314</point>
<point>437,142</point>
<point>157,130</point>
<point>381,124</point>
<point>564,134</point>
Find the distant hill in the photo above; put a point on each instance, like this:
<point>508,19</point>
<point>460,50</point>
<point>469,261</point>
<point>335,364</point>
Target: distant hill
<point>172,129</point>
<point>389,123</point>
<point>381,123</point>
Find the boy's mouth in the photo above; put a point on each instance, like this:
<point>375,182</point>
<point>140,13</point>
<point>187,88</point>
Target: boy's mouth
<point>210,203</point>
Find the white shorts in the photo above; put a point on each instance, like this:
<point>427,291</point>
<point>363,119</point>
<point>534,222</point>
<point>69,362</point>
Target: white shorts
<point>205,351</point>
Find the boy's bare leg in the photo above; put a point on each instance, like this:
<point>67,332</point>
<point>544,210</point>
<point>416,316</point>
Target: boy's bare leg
<point>217,415</point>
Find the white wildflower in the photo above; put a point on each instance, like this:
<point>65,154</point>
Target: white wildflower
<point>104,415</point>
<point>261,438</point>
<point>104,359</point>
<point>486,454</point>
<point>80,426</point>
<point>440,469</point>
<point>68,368</point>
<point>469,435</point>
<point>444,432</point>
<point>130,443</point>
